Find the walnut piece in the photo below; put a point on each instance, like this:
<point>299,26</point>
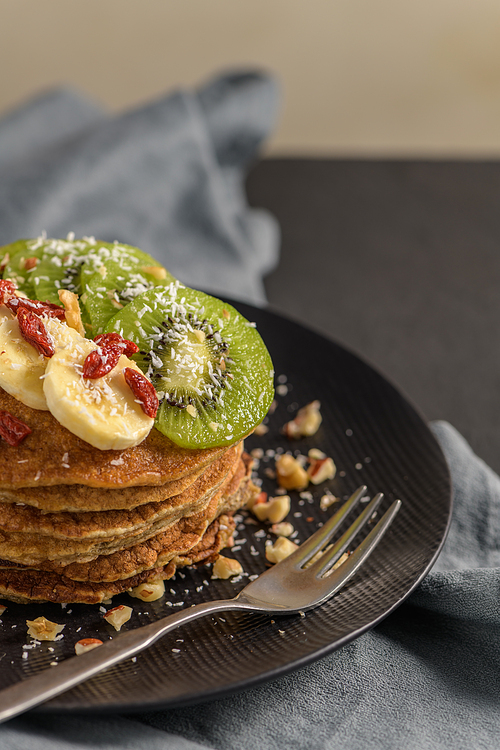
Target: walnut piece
<point>157,271</point>
<point>118,616</point>
<point>306,422</point>
<point>280,550</point>
<point>43,629</point>
<point>274,510</point>
<point>327,500</point>
<point>225,567</point>
<point>282,529</point>
<point>86,644</point>
<point>148,592</point>
<point>321,469</point>
<point>72,310</point>
<point>290,474</point>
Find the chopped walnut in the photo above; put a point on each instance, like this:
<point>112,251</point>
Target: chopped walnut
<point>30,263</point>
<point>157,271</point>
<point>261,429</point>
<point>86,644</point>
<point>321,552</point>
<point>3,262</point>
<point>281,549</point>
<point>306,422</point>
<point>339,562</point>
<point>321,469</point>
<point>274,510</point>
<point>225,567</point>
<point>315,454</point>
<point>43,629</point>
<point>118,616</point>
<point>290,474</point>
<point>72,310</point>
<point>284,528</point>
<point>327,500</point>
<point>149,592</point>
<point>2,609</point>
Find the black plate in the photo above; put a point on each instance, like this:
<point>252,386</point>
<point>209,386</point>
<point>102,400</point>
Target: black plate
<point>376,438</point>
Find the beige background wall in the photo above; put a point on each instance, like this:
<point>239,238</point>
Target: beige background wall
<point>359,76</point>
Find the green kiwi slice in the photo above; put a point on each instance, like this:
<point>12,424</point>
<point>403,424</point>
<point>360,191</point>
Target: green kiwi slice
<point>69,267</point>
<point>211,369</point>
<point>22,259</point>
<point>115,284</point>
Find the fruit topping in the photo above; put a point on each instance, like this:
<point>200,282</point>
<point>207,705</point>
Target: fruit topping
<point>212,373</point>
<point>143,390</point>
<point>12,429</point>
<point>34,332</point>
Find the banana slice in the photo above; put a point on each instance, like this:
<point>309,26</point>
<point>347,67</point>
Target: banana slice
<point>22,368</point>
<point>103,412</point>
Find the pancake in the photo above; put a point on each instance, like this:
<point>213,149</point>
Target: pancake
<point>51,455</point>
<point>33,549</point>
<point>75,498</point>
<point>159,558</point>
<point>25,586</point>
<point>26,520</point>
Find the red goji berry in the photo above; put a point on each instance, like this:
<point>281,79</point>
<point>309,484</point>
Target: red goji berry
<point>115,341</point>
<point>39,308</point>
<point>12,430</point>
<point>34,332</point>
<point>143,390</point>
<point>7,290</point>
<point>99,362</point>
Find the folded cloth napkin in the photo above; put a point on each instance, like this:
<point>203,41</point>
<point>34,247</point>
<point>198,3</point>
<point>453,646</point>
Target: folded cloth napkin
<point>426,678</point>
<point>167,177</point>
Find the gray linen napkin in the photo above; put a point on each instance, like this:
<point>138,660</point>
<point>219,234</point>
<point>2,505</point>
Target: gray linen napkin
<point>167,177</point>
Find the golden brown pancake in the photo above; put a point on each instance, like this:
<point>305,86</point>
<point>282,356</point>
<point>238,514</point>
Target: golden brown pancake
<point>24,585</point>
<point>51,455</point>
<point>24,519</point>
<point>78,497</point>
<point>110,575</point>
<point>35,549</point>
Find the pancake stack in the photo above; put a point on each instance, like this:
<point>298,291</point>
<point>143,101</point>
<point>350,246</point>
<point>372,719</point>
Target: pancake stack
<point>79,524</point>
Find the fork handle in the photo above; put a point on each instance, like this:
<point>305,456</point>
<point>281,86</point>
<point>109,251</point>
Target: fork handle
<point>42,687</point>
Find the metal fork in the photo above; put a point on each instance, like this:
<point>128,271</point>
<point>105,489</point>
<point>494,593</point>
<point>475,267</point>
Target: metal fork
<point>300,582</point>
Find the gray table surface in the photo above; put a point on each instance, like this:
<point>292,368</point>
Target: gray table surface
<point>400,262</point>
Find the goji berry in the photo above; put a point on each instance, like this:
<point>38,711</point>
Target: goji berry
<point>115,341</point>
<point>7,290</point>
<point>34,332</point>
<point>99,362</point>
<point>39,308</point>
<point>12,429</point>
<point>143,390</point>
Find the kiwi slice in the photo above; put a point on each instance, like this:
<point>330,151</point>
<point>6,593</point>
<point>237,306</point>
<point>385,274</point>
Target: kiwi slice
<point>210,367</point>
<point>115,284</point>
<point>63,268</point>
<point>21,261</point>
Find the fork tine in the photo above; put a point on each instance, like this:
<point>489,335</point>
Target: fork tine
<point>329,558</point>
<point>341,575</point>
<point>308,549</point>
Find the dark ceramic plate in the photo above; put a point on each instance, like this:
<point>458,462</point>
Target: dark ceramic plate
<point>376,438</point>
